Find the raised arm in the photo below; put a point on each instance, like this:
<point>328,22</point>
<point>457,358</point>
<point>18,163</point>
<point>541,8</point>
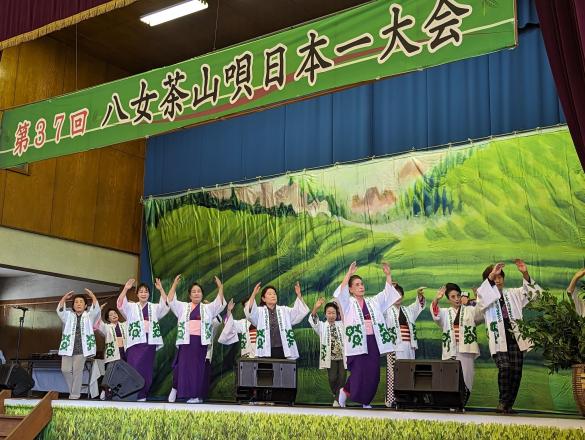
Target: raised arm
<point>573,284</point>
<point>219,285</point>
<point>387,297</point>
<point>299,309</point>
<point>521,265</point>
<point>172,292</point>
<point>435,311</point>
<point>317,306</point>
<point>252,299</point>
<point>122,296</point>
<point>64,299</point>
<point>342,294</point>
<point>94,310</point>
<point>487,293</point>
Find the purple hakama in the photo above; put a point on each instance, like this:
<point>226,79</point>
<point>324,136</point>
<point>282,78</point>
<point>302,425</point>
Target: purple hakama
<point>191,372</point>
<point>141,357</point>
<point>362,383</point>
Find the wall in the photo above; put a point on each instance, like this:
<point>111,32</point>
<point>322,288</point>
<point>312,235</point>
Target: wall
<point>91,197</point>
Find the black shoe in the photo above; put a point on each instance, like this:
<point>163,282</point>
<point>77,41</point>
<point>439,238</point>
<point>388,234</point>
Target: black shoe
<point>501,408</point>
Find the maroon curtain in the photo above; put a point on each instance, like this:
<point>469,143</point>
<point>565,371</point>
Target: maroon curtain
<point>18,17</point>
<point>563,28</point>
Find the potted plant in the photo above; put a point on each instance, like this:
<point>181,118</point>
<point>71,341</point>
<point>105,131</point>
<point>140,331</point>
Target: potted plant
<point>555,327</point>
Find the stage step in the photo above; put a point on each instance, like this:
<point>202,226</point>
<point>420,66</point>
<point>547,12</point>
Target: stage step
<point>8,423</point>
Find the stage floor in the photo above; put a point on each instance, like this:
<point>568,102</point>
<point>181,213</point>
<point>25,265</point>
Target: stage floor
<point>555,421</point>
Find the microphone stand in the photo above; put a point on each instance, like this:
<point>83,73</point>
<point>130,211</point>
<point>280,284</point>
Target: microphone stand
<point>20,327</point>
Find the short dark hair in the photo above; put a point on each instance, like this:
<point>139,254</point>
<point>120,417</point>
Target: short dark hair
<point>193,285</point>
<point>141,285</point>
<point>352,279</point>
<point>80,295</point>
<point>333,305</point>
<point>452,286</point>
<point>488,270</point>
<point>107,314</point>
<point>399,288</point>
<point>266,288</point>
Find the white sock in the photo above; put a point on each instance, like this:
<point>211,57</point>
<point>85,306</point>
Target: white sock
<point>142,400</point>
<point>103,395</point>
<point>367,406</point>
<point>342,398</point>
<point>173,395</point>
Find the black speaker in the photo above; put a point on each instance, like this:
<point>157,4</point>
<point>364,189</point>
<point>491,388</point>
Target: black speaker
<point>429,384</point>
<point>266,380</point>
<point>123,381</point>
<point>15,378</point>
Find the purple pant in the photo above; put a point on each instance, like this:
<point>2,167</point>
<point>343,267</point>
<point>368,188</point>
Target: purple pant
<point>364,377</point>
<point>141,357</point>
<point>191,371</point>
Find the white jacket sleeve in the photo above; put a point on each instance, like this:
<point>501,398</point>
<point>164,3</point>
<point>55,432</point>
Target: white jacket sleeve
<point>315,324</point>
<point>216,307</point>
<point>252,314</point>
<point>529,291</point>
<point>416,307</point>
<point>487,294</point>
<point>387,297</point>
<point>162,308</point>
<point>229,334</point>
<point>62,312</point>
<point>343,296</point>
<point>298,311</point>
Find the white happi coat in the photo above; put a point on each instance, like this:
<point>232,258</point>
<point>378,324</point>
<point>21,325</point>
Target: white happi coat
<point>516,299</point>
<point>411,313</point>
<point>215,324</point>
<point>287,317</point>
<point>238,330</point>
<point>111,349</point>
<point>469,317</point>
<point>323,329</point>
<point>182,310</point>
<point>355,342</point>
<point>135,322</point>
<point>69,319</point>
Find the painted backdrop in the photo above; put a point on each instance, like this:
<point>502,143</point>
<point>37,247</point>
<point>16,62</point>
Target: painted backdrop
<point>437,216</point>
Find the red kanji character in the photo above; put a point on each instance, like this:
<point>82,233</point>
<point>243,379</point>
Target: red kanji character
<point>21,139</point>
<point>77,122</point>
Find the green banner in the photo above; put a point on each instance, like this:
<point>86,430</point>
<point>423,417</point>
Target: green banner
<point>379,39</point>
<point>437,216</point>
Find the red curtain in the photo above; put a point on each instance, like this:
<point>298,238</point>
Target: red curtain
<point>33,18</point>
<point>563,28</point>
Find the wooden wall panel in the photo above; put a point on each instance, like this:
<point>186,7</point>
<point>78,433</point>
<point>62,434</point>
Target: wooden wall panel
<point>28,200</point>
<point>92,197</point>
<point>119,212</point>
<point>74,201</point>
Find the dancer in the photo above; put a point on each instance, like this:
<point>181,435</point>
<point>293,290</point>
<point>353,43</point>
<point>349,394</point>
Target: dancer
<point>331,356</point>
<point>501,308</point>
<point>366,334</point>
<point>459,326</point>
<point>144,335</point>
<point>194,336</point>
<point>239,330</point>
<point>275,337</point>
<point>115,334</point>
<point>78,339</point>
<point>401,324</point>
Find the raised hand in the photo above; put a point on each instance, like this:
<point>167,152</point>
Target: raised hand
<point>177,279</point>
<point>352,269</point>
<point>231,305</point>
<point>298,289</point>
<point>421,291</point>
<point>496,270</point>
<point>440,292</point>
<point>521,265</point>
<point>386,269</point>
<point>319,302</point>
<point>68,295</point>
<point>129,284</point>
<point>218,282</point>
<point>158,284</point>
<point>257,288</point>
<point>103,305</point>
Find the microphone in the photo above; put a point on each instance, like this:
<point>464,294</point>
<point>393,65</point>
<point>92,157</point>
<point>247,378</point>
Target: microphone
<point>24,309</point>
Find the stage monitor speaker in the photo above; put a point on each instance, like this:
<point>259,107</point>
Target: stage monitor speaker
<point>15,378</point>
<point>429,384</point>
<point>123,381</point>
<point>266,380</point>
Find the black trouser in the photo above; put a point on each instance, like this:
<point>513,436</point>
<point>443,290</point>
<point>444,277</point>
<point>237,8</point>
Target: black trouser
<point>509,371</point>
<point>336,375</point>
<point>277,353</point>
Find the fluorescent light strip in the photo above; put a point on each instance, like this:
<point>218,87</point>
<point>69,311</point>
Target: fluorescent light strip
<point>173,12</point>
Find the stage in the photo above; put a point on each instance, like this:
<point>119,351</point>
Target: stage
<point>471,416</point>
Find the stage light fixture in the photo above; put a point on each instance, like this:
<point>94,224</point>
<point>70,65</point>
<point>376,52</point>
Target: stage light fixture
<point>173,12</point>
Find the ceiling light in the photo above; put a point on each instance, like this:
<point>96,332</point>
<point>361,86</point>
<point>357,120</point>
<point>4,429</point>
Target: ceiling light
<point>173,12</point>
